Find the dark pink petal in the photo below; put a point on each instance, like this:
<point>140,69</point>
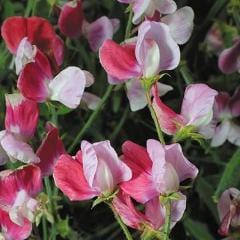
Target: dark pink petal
<point>169,121</point>
<point>13,30</point>
<point>12,231</point>
<point>100,30</point>
<point>33,80</point>
<point>68,176</point>
<point>58,50</point>
<point>49,152</point>
<point>221,105</point>
<point>21,115</point>
<point>127,211</point>
<point>71,19</point>
<point>126,68</point>
<point>228,61</point>
<point>234,103</point>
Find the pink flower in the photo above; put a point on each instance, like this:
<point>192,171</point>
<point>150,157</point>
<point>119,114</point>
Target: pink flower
<point>50,150</point>
<point>197,109</point>
<point>159,169</point>
<point>149,7</point>
<point>226,108</point>
<point>38,32</point>
<point>96,170</point>
<point>18,205</point>
<point>154,214</point>
<point>228,61</point>
<point>20,123</point>
<point>228,209</point>
<point>154,51</point>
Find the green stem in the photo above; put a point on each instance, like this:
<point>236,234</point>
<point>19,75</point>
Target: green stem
<point>120,222</point>
<point>129,24</point>
<point>154,117</point>
<point>167,220</point>
<point>91,118</point>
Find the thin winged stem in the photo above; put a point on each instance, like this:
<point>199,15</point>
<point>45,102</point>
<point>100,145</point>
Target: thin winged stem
<point>167,224</point>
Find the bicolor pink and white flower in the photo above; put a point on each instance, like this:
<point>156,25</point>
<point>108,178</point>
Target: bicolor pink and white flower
<point>229,59</point>
<point>153,51</point>
<point>20,125</point>
<point>157,170</point>
<point>228,209</point>
<point>96,170</point>
<point>196,111</point>
<point>39,33</point>
<point>18,190</point>
<point>153,218</point>
<point>226,109</point>
<point>148,8</point>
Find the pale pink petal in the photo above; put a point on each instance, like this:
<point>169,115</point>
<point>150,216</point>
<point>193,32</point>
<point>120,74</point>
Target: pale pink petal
<point>49,151</point>
<point>168,48</point>
<point>141,8</point>
<point>234,134</point>
<point>91,100</point>
<point>126,68</point>
<point>197,106</point>
<point>166,6</point>
<point>163,88</point>
<point>183,167</point>
<point>99,31</point>
<point>18,150</point>
<point>221,134</point>
<point>68,176</point>
<point>21,115</point>
<point>68,87</point>
<point>235,103</point>
<point>89,78</point>
<point>228,61</point>
<point>180,24</point>
<point>71,19</point>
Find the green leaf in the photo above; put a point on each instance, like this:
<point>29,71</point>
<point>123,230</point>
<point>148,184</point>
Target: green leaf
<point>230,176</point>
<point>197,229</point>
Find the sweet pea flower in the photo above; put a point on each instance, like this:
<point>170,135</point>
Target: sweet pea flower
<point>149,7</point>
<point>20,124</point>
<point>39,32</point>
<point>229,59</point>
<point>18,205</point>
<point>96,170</point>
<point>226,108</point>
<point>228,209</point>
<point>196,111</point>
<point>153,217</point>
<point>50,150</point>
<point>153,51</point>
<point>157,170</point>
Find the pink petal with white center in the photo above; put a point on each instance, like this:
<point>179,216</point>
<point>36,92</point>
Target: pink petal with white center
<point>49,151</point>
<point>180,24</point>
<point>234,134</point>
<point>71,19</point>
<point>21,115</point>
<point>183,167</point>
<point>155,213</point>
<point>221,106</point>
<point>126,68</point>
<point>68,87</point>
<point>228,61</point>
<point>141,8</point>
<point>26,53</point>
<point>166,6</point>
<point>136,157</point>
<point>91,100</point>
<point>69,178</point>
<point>17,149</point>
<point>197,106</point>
<point>102,167</point>
<point>169,121</point>
<point>99,31</point>
<point>177,209</point>
<point>33,79</point>
<point>168,48</point>
<point>127,211</point>
<point>221,134</point>
<point>12,231</point>
<point>164,175</point>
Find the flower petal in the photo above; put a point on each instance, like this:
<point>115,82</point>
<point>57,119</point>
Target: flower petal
<point>221,134</point>
<point>91,100</point>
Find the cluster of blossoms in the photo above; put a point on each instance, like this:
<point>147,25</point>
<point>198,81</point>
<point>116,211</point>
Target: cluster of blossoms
<point>143,185</point>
